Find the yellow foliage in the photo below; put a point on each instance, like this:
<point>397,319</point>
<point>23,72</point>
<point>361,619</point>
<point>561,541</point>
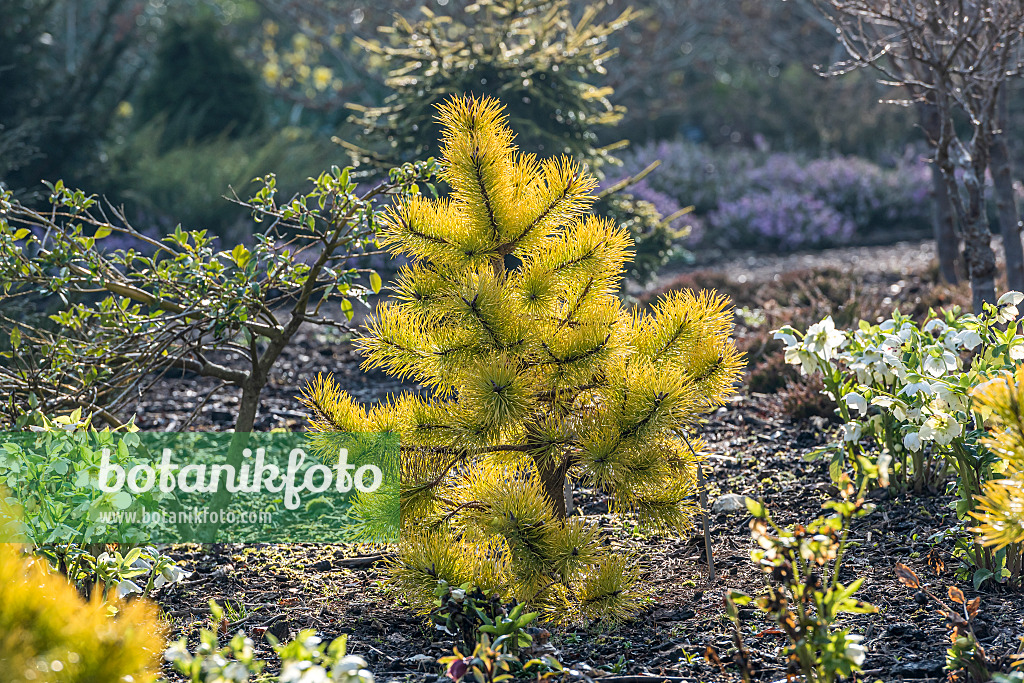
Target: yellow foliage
<point>49,634</point>
<point>1000,508</point>
<point>510,315</point>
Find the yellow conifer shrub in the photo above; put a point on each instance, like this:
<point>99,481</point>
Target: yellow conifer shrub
<point>539,379</point>
<point>48,634</point>
<point>1000,508</point>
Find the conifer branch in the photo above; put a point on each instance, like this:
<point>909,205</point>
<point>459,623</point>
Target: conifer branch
<point>576,307</point>
<point>478,170</point>
<point>510,246</point>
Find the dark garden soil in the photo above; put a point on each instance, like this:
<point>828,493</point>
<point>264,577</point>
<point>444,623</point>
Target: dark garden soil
<point>756,445</point>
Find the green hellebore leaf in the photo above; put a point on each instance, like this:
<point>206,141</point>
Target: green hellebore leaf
<point>122,500</point>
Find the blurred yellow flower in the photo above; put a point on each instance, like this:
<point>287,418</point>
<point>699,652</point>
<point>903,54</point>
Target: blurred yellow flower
<point>322,76</point>
<point>271,72</point>
<point>125,109</point>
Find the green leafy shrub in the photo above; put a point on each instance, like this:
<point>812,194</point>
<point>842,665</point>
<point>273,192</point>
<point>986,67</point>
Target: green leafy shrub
<point>50,634</point>
<point>66,518</point>
<point>509,315</point>
<point>45,469</point>
<point>173,302</point>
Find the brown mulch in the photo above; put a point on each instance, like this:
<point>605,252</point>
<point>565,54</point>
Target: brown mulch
<point>754,450</point>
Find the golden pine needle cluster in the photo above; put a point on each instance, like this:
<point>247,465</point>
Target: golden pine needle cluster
<point>538,376</point>
<point>1000,508</point>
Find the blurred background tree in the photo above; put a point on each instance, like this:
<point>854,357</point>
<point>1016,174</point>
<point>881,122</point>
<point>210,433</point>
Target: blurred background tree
<point>200,86</point>
<point>530,54</point>
<point>65,67</point>
<point>740,72</point>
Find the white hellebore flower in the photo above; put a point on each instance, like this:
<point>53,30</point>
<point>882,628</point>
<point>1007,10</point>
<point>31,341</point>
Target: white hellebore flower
<point>884,460</point>
<point>303,672</point>
<point>918,386</point>
<point>854,650</point>
<point>938,362</point>
<point>857,402</point>
<point>126,587</point>
<point>956,401</point>
<point>967,339</point>
<point>823,338</point>
<point>351,669</point>
<point>891,344</point>
<point>941,428</point>
<point>1007,304</point>
<point>170,574</point>
<point>177,652</point>
<point>788,339</point>
<point>882,401</point>
<point>141,564</point>
<point>1017,348</point>
<point>807,361</point>
<point>852,431</point>
<point>912,441</point>
<point>236,671</point>
<point>864,364</point>
<point>935,325</point>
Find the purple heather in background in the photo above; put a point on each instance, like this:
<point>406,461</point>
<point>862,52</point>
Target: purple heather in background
<point>749,198</point>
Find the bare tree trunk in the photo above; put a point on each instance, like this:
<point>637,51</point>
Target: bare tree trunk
<point>247,409</point>
<point>1006,202</point>
<point>981,260</point>
<point>946,240</point>
<point>951,155</point>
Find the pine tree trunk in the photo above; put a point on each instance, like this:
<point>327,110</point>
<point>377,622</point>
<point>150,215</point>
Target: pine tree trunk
<point>1006,202</point>
<point>946,241</point>
<point>552,478</point>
